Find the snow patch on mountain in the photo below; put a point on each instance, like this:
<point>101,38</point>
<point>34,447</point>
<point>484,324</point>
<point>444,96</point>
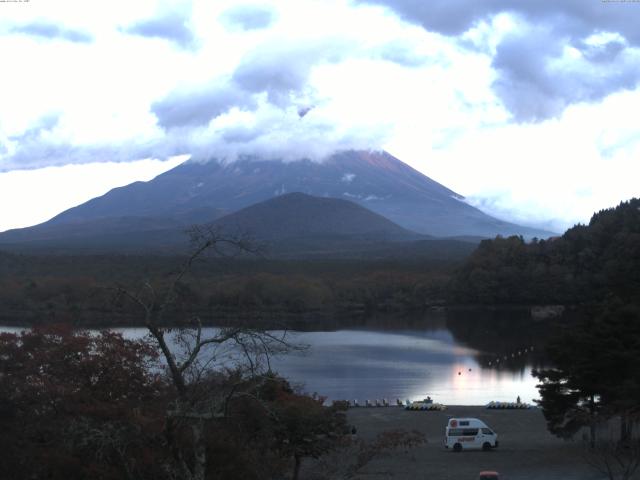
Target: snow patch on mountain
<point>348,177</point>
<point>366,198</point>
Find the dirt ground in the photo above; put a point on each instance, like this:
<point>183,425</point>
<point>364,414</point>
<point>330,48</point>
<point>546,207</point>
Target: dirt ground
<point>526,450</point>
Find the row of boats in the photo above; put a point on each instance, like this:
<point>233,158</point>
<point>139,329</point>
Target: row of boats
<point>509,406</point>
<point>428,404</point>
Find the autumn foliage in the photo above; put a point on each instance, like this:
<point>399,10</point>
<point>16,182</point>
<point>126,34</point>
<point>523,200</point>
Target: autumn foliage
<point>71,404</point>
<point>77,405</point>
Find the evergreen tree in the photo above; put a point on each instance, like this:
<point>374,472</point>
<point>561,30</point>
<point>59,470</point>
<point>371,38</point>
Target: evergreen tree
<point>596,375</point>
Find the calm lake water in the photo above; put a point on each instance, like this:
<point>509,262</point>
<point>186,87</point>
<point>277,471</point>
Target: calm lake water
<point>369,364</point>
<point>356,364</point>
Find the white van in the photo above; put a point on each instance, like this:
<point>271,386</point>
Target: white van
<point>469,434</point>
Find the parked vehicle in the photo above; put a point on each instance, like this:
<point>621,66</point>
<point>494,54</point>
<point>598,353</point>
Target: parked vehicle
<point>469,434</point>
<point>489,475</point>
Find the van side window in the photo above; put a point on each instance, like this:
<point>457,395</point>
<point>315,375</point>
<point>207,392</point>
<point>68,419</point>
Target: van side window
<point>455,432</point>
<point>470,432</point>
<point>464,423</point>
<point>487,431</point>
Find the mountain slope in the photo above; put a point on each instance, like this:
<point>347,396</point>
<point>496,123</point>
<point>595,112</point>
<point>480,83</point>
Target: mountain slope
<point>293,225</point>
<point>297,215</point>
<point>202,192</point>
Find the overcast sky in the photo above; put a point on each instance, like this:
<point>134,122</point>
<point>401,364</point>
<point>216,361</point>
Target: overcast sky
<point>527,108</point>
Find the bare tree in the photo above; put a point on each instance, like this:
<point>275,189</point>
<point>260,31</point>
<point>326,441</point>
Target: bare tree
<point>616,454</point>
<point>197,352</point>
<point>615,460</point>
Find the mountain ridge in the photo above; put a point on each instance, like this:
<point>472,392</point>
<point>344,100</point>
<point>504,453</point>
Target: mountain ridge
<point>289,226</point>
<point>203,192</point>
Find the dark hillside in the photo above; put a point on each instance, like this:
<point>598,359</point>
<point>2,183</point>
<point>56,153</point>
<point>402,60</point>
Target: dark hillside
<point>293,225</point>
<point>587,264</point>
<point>296,215</point>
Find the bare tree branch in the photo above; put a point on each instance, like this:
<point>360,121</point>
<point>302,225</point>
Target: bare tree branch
<point>196,401</point>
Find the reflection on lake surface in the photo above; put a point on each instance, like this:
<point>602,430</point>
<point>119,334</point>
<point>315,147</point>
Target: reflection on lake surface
<point>356,364</point>
<point>371,364</point>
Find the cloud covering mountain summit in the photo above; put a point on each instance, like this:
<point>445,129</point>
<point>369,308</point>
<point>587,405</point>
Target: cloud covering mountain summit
<point>473,92</point>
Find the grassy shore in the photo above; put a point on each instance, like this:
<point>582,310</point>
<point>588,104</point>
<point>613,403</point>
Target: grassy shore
<point>526,451</point>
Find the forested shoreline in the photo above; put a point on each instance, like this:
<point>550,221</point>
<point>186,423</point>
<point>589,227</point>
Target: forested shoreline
<point>587,265</point>
<point>79,290</point>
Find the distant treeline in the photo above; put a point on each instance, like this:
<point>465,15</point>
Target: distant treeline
<point>81,289</point>
<point>588,264</point>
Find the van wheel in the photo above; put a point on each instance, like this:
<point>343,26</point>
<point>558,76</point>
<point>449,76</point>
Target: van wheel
<point>457,447</point>
<point>486,446</point>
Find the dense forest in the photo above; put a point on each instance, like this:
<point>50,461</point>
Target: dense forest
<point>589,263</point>
<point>80,289</point>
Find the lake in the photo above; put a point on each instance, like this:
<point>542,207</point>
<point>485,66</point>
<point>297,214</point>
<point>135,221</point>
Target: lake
<point>406,364</point>
<point>370,364</point>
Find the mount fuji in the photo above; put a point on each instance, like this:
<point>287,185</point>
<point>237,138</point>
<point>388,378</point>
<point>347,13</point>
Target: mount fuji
<point>157,212</point>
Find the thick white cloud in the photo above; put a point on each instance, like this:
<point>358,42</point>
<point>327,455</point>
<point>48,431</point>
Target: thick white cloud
<point>551,61</point>
<point>524,109</point>
<point>551,174</point>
